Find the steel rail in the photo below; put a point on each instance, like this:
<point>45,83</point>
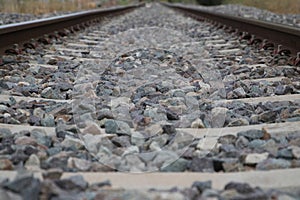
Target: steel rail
<point>20,32</point>
<point>287,36</point>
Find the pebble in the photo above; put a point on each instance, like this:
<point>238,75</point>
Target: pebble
<point>79,164</point>
<point>202,186</point>
<point>199,164</point>
<point>117,127</point>
<point>255,158</point>
<point>6,164</point>
<point>33,163</point>
<point>285,153</point>
<point>26,185</point>
<point>272,163</point>
<point>52,174</point>
<point>251,134</point>
<point>296,151</point>
<point>69,142</point>
<point>92,128</point>
<point>137,139</point>
<point>48,121</point>
<point>180,165</point>
<point>198,123</point>
<point>73,183</point>
<point>218,117</point>
<point>227,139</point>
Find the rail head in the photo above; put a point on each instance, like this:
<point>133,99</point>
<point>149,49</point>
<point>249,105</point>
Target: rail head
<point>279,34</point>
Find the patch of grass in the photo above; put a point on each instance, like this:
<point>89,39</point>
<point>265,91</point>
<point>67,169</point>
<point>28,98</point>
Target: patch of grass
<point>42,6</point>
<point>277,6</point>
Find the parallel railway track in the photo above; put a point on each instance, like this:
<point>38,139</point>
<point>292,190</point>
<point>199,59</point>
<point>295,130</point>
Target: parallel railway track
<point>24,31</point>
<point>277,34</point>
<point>151,100</point>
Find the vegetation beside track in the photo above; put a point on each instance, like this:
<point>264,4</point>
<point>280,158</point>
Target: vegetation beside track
<point>50,6</point>
<point>277,6</point>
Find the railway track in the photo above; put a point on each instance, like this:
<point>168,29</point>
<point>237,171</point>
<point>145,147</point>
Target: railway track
<point>149,100</point>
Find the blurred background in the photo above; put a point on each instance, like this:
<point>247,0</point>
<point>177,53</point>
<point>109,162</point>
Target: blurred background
<point>51,6</point>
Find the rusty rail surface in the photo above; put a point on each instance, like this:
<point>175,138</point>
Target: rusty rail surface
<point>20,32</point>
<point>287,36</point>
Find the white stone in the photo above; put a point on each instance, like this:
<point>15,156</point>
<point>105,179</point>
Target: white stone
<point>198,123</point>
<point>33,163</point>
<point>255,158</point>
<point>296,151</point>
<point>81,164</point>
<point>207,143</point>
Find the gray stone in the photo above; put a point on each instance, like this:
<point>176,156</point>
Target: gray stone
<point>202,185</point>
<point>105,113</point>
<point>92,142</point>
<point>243,188</point>
<point>257,144</point>
<point>69,142</point>
<point>79,164</point>
<point>131,150</point>
<point>164,157</point>
<point>134,163</point>
<point>200,164</point>
<point>7,195</point>
<point>168,128</point>
<point>39,112</point>
<point>25,185</point>
<point>5,132</point>
<point>178,165</point>
<point>296,151</point>
<point>271,147</point>
<point>52,174</point>
<point>227,139</point>
<point>155,114</point>
<point>218,116</point>
<point>285,153</point>
<point>41,137</point>
<point>191,103</point>
<point>121,141</point>
<point>49,93</point>
<point>74,183</point>
<point>137,139</point>
<point>25,140</point>
<point>182,140</point>
<point>232,165</point>
<point>268,116</point>
<point>251,134</point>
<point>3,108</point>
<point>154,129</point>
<point>272,163</point>
<point>117,127</point>
<point>48,120</point>
<point>239,92</point>
<point>239,122</point>
<point>147,156</point>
